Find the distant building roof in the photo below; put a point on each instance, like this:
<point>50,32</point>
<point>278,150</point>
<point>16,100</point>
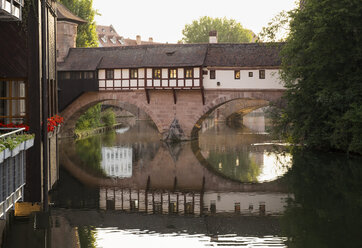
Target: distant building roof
<point>64,14</point>
<point>108,37</point>
<point>173,55</point>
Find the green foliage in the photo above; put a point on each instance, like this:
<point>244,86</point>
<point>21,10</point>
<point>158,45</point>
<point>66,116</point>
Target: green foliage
<point>87,236</point>
<point>86,35</point>
<point>108,117</point>
<point>322,72</point>
<point>229,31</point>
<point>277,29</point>
<point>89,151</point>
<point>326,208</point>
<point>90,119</point>
<point>13,141</point>
<point>238,166</point>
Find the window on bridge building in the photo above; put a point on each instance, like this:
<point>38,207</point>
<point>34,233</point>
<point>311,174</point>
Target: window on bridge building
<point>157,73</point>
<point>172,73</point>
<point>237,74</point>
<point>189,73</point>
<point>110,74</point>
<point>262,74</point>
<point>133,73</point>
<point>250,74</point>
<point>212,74</point>
<point>88,75</point>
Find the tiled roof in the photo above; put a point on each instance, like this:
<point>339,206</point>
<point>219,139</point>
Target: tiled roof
<point>243,55</point>
<point>65,14</point>
<point>172,55</point>
<point>106,33</point>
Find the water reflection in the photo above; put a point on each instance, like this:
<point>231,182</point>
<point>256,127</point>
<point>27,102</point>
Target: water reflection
<point>327,207</point>
<point>117,161</point>
<point>240,153</point>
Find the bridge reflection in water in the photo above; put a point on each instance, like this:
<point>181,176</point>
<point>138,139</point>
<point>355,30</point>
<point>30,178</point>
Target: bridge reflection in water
<point>138,173</point>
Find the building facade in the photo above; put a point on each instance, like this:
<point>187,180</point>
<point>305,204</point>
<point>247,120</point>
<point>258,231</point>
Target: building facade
<point>20,83</point>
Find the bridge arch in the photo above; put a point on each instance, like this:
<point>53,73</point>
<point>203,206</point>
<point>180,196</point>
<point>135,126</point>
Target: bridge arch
<point>247,101</point>
<point>74,110</point>
<point>182,117</point>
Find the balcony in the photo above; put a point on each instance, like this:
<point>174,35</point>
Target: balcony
<point>10,10</point>
<point>12,168</point>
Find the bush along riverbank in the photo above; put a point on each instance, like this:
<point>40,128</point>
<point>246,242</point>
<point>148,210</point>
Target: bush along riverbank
<point>95,121</point>
<point>80,134</point>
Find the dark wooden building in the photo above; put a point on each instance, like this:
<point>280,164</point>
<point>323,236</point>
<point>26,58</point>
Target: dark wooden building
<point>21,87</point>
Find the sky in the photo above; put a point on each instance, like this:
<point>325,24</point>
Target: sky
<point>164,20</point>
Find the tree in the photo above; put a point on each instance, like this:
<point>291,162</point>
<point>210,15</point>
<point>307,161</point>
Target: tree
<point>321,70</point>
<point>90,119</point>
<point>229,31</point>
<point>86,35</point>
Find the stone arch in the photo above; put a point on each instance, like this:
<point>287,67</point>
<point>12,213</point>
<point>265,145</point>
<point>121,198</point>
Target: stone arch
<point>74,110</point>
<point>253,100</point>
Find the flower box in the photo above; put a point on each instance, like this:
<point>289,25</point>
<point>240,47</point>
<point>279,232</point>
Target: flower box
<point>2,156</point>
<point>29,143</point>
<point>15,151</point>
<point>22,146</point>
<point>7,153</point>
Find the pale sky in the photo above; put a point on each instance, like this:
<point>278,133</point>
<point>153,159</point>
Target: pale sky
<point>164,20</point>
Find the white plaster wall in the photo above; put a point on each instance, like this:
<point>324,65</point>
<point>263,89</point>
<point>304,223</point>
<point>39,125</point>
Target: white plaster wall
<point>141,73</point>
<point>109,83</point>
<point>227,81</point>
<point>102,74</point>
<point>117,73</point>
<point>196,72</point>
<point>125,73</point>
<point>180,72</point>
<point>164,73</point>
<point>134,83</point>
<point>149,73</point>
<point>117,83</point>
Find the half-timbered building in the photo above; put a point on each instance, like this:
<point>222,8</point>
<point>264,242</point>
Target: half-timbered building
<point>169,67</point>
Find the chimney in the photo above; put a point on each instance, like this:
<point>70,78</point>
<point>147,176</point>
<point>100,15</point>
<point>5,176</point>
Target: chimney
<point>213,36</point>
<point>150,40</point>
<point>138,39</point>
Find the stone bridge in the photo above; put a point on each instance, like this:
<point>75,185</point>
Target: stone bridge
<point>179,119</point>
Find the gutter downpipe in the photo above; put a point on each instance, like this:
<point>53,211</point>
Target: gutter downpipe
<point>44,105</point>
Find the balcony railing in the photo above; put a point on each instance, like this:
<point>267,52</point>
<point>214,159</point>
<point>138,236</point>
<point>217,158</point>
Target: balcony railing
<point>12,171</point>
<point>11,10</point>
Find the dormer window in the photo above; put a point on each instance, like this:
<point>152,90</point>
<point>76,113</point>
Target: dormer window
<point>172,73</point>
<point>189,73</point>
<point>133,73</point>
<point>157,73</point>
<point>113,39</point>
<point>104,38</point>
<point>109,74</point>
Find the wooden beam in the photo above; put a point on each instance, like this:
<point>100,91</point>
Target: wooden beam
<point>203,95</point>
<point>147,96</point>
<point>174,96</point>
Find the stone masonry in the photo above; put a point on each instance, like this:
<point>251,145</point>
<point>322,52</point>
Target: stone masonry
<point>188,112</point>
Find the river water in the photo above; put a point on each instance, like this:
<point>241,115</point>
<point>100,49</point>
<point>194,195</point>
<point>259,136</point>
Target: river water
<point>233,186</point>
